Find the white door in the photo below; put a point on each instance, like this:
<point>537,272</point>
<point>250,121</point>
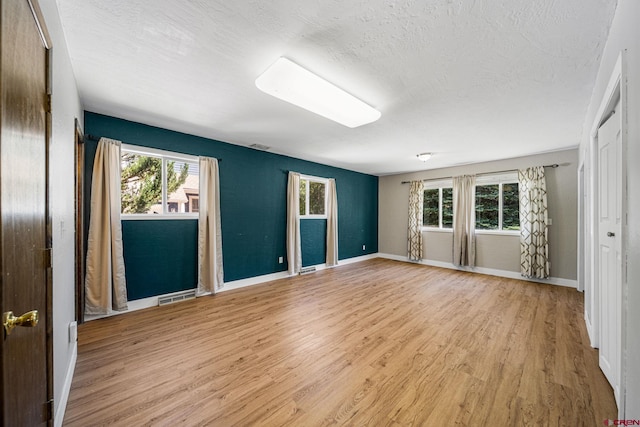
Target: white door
<point>609,248</point>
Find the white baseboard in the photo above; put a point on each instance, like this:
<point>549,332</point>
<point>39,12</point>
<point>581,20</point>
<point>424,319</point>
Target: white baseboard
<point>243,283</point>
<point>143,303</point>
<point>58,417</point>
<point>357,259</point>
<point>590,333</point>
<point>482,270</point>
<point>134,305</point>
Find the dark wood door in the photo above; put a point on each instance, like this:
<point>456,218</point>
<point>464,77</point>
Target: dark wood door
<point>24,257</point>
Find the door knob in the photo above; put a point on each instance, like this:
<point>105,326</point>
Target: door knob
<point>610,234</point>
<point>29,319</point>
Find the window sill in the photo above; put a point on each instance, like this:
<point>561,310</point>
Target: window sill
<point>489,232</point>
<point>437,230</point>
<point>500,232</point>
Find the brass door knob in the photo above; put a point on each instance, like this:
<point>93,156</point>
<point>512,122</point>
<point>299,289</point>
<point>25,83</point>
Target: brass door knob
<point>29,319</point>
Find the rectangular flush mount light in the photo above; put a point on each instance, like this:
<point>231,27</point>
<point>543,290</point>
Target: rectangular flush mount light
<point>290,82</point>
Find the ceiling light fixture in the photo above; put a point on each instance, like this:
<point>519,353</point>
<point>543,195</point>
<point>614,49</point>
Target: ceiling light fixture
<point>290,82</point>
<point>424,156</point>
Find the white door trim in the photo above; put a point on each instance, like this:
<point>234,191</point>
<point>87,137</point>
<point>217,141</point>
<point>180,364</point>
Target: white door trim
<point>616,88</point>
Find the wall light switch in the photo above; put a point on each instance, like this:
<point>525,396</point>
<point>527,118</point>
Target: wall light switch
<point>364,247</point>
<point>280,260</point>
<point>550,221</point>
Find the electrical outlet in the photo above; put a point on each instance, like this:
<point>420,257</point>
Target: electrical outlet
<point>364,247</point>
<point>550,221</point>
<point>280,260</point>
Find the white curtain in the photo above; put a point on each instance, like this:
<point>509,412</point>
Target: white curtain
<point>464,220</point>
<point>332,224</point>
<point>210,270</point>
<point>294,252</point>
<point>105,283</point>
<point>534,230</point>
<point>414,229</point>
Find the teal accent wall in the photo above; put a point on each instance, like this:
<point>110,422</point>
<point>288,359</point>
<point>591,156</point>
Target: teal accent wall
<point>161,255</point>
<point>313,241</point>
<point>148,243</point>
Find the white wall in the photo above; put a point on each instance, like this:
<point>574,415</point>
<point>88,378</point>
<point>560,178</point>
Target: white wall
<point>65,109</point>
<point>625,34</point>
<point>494,252</point>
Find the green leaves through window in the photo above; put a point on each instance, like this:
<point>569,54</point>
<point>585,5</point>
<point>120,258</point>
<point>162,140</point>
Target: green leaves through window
<point>157,183</point>
<point>438,208</point>
<point>313,200</point>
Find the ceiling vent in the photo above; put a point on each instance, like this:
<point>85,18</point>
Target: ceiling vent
<point>260,147</point>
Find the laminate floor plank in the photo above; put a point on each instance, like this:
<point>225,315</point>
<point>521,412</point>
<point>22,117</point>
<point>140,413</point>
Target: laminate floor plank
<point>375,343</point>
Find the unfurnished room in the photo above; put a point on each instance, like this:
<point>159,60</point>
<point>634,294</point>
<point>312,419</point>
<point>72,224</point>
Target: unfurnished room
<point>277,213</point>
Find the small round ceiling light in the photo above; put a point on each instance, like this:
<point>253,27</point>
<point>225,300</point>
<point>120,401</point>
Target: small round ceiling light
<point>423,157</point>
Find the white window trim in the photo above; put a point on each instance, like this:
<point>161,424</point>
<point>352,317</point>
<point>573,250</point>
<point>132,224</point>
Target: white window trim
<point>437,230</point>
<point>499,232</point>
<point>172,155</point>
<point>498,179</point>
<point>165,156</point>
<point>489,179</point>
<point>325,181</point>
<point>439,185</point>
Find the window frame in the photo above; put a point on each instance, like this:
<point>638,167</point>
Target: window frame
<point>165,156</point>
<point>438,185</point>
<point>498,179</point>
<point>488,179</point>
<point>308,179</point>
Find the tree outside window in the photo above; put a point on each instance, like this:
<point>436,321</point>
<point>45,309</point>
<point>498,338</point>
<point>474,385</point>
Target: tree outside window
<point>312,196</point>
<point>148,179</point>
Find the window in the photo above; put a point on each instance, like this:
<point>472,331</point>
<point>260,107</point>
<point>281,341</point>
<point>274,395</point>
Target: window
<point>497,202</point>
<point>438,205</point>
<point>313,197</point>
<point>158,183</point>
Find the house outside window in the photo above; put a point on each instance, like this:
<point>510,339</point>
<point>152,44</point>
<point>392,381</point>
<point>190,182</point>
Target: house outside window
<point>158,184</point>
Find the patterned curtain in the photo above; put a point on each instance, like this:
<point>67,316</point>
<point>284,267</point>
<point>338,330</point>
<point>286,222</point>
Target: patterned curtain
<point>416,199</point>
<point>464,220</point>
<point>534,230</point>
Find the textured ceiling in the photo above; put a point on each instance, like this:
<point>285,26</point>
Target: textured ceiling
<point>467,80</point>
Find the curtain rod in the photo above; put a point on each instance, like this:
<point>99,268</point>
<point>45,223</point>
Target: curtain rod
<point>553,166</point>
<point>97,139</point>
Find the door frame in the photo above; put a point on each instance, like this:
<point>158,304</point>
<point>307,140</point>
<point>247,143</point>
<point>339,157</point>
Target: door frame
<point>616,89</point>
<point>79,220</point>
<point>46,41</point>
<point>582,232</point>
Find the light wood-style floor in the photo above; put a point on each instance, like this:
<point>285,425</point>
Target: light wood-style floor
<point>376,343</point>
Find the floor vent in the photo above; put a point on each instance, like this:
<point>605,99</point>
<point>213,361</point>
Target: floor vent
<point>306,270</point>
<point>170,299</point>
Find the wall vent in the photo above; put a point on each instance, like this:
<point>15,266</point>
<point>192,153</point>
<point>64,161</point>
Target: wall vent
<point>306,270</point>
<point>181,296</point>
<point>260,147</point>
